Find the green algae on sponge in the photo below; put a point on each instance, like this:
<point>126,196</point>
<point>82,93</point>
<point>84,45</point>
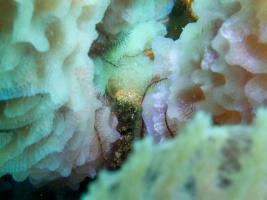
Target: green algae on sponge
<point>205,162</point>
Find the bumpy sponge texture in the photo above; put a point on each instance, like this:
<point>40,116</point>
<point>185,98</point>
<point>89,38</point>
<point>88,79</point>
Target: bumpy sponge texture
<point>47,100</point>
<point>124,15</point>
<point>205,162</point>
<point>219,63</point>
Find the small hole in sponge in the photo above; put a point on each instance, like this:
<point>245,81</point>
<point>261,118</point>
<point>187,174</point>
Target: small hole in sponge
<point>229,117</point>
<point>186,100</point>
<point>217,79</point>
<point>192,94</point>
<point>256,48</point>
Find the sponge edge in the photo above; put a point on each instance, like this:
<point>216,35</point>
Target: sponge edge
<point>48,103</point>
<point>204,162</point>
<point>131,27</point>
<point>222,57</point>
<point>130,13</point>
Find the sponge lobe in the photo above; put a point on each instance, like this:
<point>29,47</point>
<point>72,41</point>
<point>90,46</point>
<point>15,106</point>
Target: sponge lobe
<point>47,100</point>
<point>223,54</point>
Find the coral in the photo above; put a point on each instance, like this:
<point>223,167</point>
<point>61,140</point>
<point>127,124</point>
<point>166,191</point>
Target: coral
<point>204,162</point>
<point>47,96</point>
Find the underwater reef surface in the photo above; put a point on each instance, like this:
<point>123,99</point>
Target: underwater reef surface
<point>204,162</point>
<point>82,80</point>
<point>217,66</point>
<point>56,122</point>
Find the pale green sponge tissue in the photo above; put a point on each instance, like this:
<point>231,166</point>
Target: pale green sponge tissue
<point>205,162</point>
<point>132,25</point>
<point>47,96</point>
